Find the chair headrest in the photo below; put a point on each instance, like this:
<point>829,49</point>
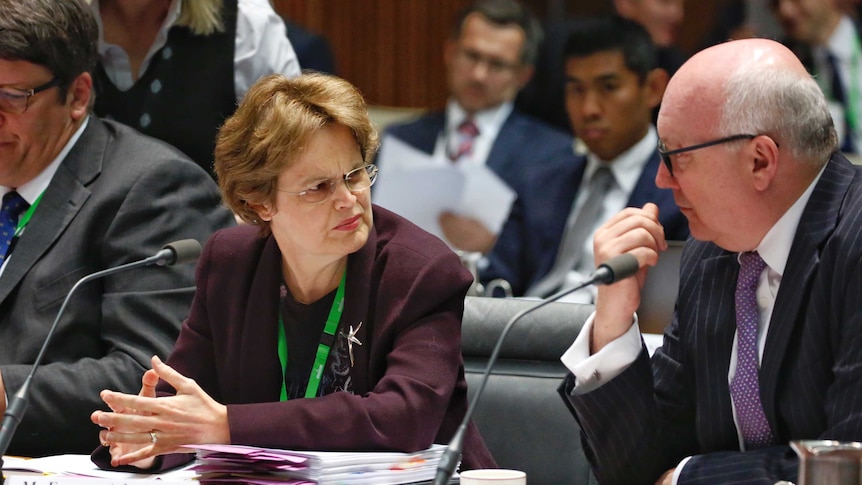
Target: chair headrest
<point>544,334</point>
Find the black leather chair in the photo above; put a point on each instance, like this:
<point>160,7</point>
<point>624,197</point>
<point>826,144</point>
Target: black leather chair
<point>522,418</point>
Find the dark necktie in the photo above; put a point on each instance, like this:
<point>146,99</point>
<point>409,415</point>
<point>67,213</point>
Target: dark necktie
<point>745,385</point>
<point>579,227</point>
<point>839,95</point>
<point>13,205</point>
<point>467,133</point>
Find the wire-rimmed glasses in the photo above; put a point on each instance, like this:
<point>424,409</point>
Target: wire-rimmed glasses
<point>356,180</point>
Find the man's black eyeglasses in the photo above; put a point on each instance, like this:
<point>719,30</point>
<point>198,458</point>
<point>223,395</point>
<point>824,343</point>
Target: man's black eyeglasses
<point>665,154</point>
<point>16,101</point>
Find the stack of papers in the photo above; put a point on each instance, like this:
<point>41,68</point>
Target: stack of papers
<point>263,466</point>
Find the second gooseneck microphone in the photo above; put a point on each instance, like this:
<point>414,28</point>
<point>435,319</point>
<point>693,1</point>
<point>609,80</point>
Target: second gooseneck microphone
<point>611,271</point>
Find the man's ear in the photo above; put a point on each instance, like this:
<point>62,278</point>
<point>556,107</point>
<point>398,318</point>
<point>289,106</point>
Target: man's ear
<point>624,8</point>
<point>655,84</point>
<point>449,49</point>
<point>524,74</point>
<point>79,94</point>
<point>764,152</point>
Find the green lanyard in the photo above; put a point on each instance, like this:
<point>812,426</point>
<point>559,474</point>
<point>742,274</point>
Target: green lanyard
<point>25,218</point>
<point>853,95</point>
<point>851,111</point>
<point>323,347</point>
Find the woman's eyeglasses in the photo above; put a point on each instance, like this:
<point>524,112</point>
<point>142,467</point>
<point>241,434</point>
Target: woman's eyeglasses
<point>356,180</point>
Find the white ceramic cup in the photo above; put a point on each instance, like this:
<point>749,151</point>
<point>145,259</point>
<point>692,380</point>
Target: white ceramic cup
<point>493,477</point>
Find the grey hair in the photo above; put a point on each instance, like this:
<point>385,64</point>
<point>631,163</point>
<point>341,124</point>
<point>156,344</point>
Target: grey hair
<point>763,100</point>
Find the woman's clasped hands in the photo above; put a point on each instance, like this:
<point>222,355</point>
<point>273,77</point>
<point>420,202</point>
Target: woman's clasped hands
<point>143,426</point>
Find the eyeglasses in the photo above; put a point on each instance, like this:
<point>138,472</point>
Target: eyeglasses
<point>356,180</point>
<point>665,154</point>
<point>16,101</point>
<point>469,58</point>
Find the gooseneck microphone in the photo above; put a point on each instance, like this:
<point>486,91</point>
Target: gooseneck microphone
<point>177,252</point>
<point>613,270</point>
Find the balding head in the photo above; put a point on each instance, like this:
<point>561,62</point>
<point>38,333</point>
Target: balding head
<point>754,86</point>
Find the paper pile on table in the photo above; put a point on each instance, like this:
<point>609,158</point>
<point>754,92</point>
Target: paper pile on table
<point>264,466</point>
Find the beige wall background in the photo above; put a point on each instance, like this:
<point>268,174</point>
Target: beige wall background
<point>393,49</point>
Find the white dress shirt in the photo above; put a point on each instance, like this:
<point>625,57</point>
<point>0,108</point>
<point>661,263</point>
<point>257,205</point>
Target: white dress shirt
<point>262,47</point>
<point>488,122</point>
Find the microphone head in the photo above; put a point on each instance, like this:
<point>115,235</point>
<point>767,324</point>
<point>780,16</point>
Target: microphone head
<point>183,251</point>
<point>617,268</point>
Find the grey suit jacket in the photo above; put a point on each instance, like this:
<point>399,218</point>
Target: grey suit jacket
<point>644,421</point>
<point>117,197</point>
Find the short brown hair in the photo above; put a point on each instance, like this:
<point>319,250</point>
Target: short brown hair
<point>61,36</point>
<point>273,123</point>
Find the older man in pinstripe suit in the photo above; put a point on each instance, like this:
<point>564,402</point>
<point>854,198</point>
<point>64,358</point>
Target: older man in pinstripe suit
<point>749,151</point>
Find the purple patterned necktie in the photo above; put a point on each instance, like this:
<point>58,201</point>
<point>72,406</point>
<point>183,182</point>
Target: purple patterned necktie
<point>745,385</point>
<point>13,205</point>
<point>467,133</point>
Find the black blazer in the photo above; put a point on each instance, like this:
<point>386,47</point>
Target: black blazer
<point>647,419</point>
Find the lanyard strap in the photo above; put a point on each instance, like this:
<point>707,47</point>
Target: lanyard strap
<point>25,218</point>
<point>323,348</point>
<point>851,110</point>
<point>853,90</point>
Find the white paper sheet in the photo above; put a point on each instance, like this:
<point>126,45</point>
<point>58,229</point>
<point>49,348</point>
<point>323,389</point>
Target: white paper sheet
<point>419,187</point>
<point>72,469</point>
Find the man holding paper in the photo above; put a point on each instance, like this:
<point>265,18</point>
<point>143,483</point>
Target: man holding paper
<point>489,58</point>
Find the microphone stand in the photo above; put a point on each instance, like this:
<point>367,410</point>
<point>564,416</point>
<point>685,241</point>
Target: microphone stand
<point>17,406</point>
<point>617,268</point>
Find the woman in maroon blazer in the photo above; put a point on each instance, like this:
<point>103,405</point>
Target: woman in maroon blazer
<point>316,325</point>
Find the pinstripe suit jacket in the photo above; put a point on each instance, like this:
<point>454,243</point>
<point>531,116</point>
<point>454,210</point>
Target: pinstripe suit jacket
<point>647,419</point>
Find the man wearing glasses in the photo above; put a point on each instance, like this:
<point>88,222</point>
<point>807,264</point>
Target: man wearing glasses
<point>489,58</point>
<point>764,345</point>
<point>81,195</point>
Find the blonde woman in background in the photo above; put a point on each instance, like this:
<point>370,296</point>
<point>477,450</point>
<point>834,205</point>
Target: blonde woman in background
<point>176,69</point>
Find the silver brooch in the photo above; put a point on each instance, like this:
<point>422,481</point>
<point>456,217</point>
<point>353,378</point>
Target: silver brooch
<point>351,339</point>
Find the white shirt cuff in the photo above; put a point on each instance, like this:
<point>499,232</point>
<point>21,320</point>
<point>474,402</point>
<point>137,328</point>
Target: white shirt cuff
<point>591,371</point>
<point>678,470</point>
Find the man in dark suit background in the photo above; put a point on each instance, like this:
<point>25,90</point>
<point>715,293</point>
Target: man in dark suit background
<point>489,57</point>
<point>827,40</point>
<point>99,195</point>
<point>612,85</point>
<point>764,344</point>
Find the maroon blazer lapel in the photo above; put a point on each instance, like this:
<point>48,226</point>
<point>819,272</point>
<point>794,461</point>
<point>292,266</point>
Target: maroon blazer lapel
<point>356,309</point>
<point>260,330</point>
